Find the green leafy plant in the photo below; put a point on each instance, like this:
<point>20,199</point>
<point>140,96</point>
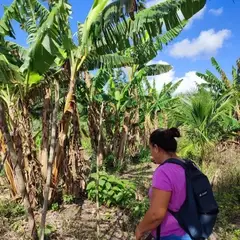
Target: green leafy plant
<point>137,209</point>
<point>11,209</point>
<point>112,190</point>
<point>48,231</point>
<point>2,172</point>
<point>68,199</point>
<point>55,206</point>
<point>142,157</point>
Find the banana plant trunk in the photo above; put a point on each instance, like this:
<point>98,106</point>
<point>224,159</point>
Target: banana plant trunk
<point>156,120</point>
<point>124,137</point>
<point>77,170</point>
<point>45,131</point>
<point>50,160</point>
<point>63,128</point>
<point>7,164</point>
<point>93,125</point>
<point>18,174</point>
<point>31,164</point>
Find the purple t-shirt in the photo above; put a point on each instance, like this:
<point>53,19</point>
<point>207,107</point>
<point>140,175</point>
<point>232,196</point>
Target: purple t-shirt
<point>170,177</point>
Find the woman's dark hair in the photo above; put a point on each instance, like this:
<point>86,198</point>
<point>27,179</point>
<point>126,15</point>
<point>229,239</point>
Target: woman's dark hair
<point>165,139</point>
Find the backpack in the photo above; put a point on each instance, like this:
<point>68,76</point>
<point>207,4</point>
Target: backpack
<point>197,216</point>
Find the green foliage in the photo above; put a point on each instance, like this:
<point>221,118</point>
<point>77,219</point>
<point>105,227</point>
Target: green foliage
<point>2,172</point>
<point>55,206</point>
<point>137,209</point>
<point>68,199</point>
<point>112,190</point>
<point>142,157</point>
<point>228,198</point>
<point>204,120</point>
<point>10,209</point>
<point>49,229</point>
<point>229,203</point>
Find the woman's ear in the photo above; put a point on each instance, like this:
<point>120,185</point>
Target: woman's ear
<point>160,150</point>
<point>157,149</point>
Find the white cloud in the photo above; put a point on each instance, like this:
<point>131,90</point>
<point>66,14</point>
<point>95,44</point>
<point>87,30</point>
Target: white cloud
<point>216,12</point>
<point>188,83</point>
<point>157,62</point>
<point>153,2</point>
<point>207,43</point>
<point>199,15</point>
<point>163,78</point>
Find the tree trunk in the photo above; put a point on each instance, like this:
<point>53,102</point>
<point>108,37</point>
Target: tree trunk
<point>77,169</point>
<point>65,121</point>
<point>93,116</point>
<point>147,129</point>
<point>124,136</point>
<point>50,160</point>
<point>87,78</point>
<point>8,168</point>
<point>156,120</point>
<point>18,175</point>
<point>62,136</point>
<point>45,131</point>
<point>31,164</point>
<point>99,157</point>
<point>165,119</point>
<point>93,125</point>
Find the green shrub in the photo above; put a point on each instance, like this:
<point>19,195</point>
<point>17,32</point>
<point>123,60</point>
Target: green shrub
<point>68,199</point>
<point>112,190</point>
<point>2,171</point>
<point>10,209</point>
<point>55,206</point>
<point>49,230</point>
<point>137,209</point>
<point>143,156</point>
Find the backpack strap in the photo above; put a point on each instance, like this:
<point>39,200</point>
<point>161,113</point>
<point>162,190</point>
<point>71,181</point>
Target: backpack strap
<point>183,163</point>
<point>158,232</point>
<point>177,161</point>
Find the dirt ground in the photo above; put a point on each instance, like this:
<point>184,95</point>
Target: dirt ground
<point>79,221</point>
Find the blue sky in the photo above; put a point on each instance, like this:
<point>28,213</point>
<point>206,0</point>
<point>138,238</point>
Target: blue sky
<point>212,32</point>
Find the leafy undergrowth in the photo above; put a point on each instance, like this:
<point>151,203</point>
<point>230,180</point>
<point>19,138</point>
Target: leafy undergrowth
<point>124,206</point>
<point>224,172</point>
<point>112,190</point>
<point>12,215</point>
<point>228,198</point>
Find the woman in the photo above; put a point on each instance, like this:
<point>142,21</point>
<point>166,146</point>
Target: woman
<point>168,190</point>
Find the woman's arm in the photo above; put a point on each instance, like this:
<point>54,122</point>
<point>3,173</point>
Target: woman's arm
<point>156,213</point>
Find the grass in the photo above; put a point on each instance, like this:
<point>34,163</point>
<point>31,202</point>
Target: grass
<point>223,169</point>
<point>11,210</point>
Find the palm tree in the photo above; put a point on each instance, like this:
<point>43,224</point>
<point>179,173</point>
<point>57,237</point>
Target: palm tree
<point>204,119</point>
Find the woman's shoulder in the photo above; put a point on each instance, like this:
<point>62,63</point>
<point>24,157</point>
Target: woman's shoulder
<point>169,167</point>
<point>170,171</point>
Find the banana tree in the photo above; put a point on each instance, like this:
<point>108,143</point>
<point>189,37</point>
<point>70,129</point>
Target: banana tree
<point>15,150</point>
<point>105,31</point>
<point>103,40</point>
